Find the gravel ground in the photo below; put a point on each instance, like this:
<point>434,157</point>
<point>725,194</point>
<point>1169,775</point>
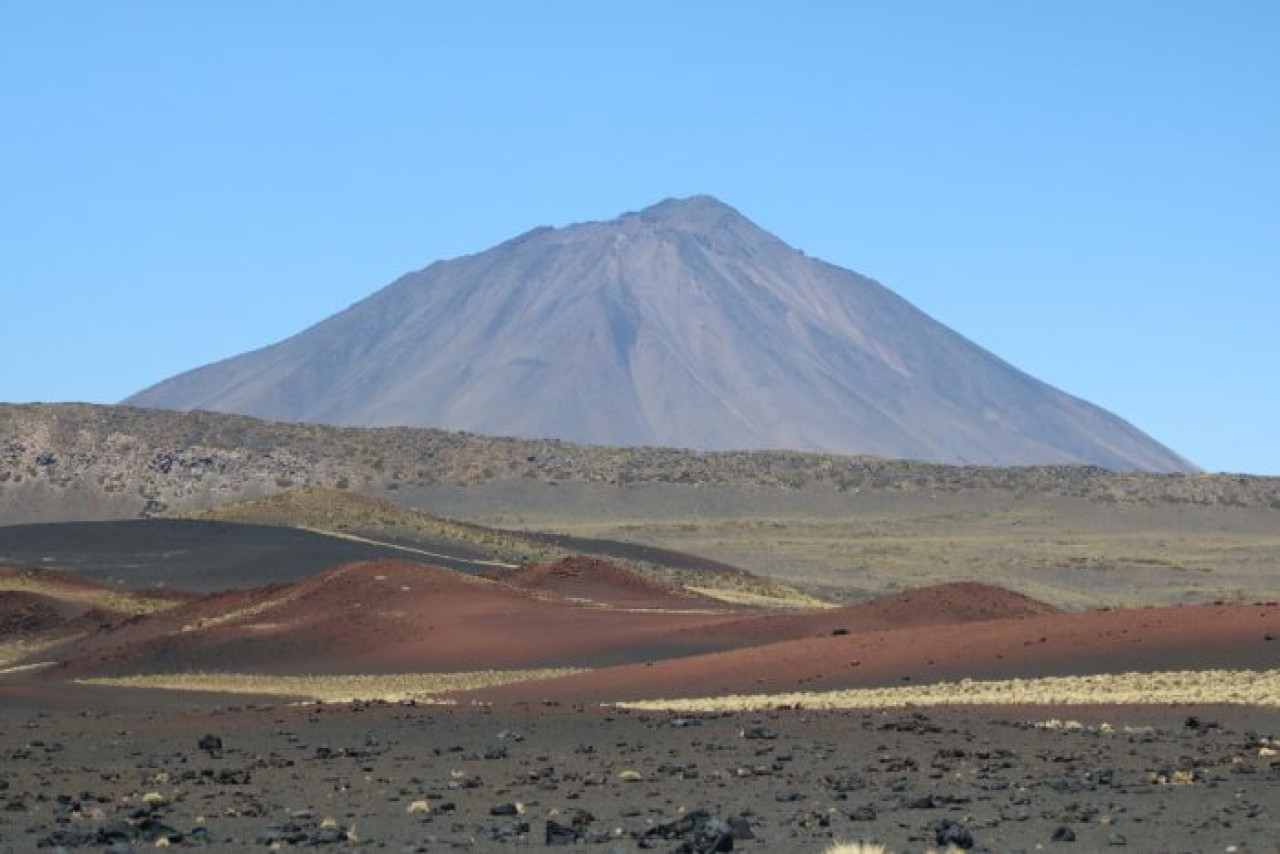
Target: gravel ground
<point>100,769</point>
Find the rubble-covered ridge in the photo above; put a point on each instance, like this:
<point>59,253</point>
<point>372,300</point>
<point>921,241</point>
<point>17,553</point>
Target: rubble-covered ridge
<point>145,462</point>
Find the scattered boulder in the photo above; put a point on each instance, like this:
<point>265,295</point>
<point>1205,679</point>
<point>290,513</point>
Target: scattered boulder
<point>948,833</point>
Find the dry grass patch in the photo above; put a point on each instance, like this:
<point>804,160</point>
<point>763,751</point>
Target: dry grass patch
<point>14,653</point>
<point>778,598</point>
<point>354,538</point>
<point>359,518</point>
<point>855,848</point>
<point>108,600</point>
<point>1244,687</point>
<point>9,659</point>
<point>335,689</point>
<point>874,848</point>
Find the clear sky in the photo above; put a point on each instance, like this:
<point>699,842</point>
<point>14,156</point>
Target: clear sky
<point>1090,189</point>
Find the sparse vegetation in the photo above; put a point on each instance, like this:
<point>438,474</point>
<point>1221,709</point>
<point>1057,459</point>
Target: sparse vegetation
<point>1076,536</point>
<point>132,604</point>
<point>1246,687</point>
<point>774,597</point>
<point>335,689</point>
<point>337,512</point>
<point>12,653</point>
<point>370,520</point>
<point>1072,553</point>
<point>246,456</point>
<point>856,848</point>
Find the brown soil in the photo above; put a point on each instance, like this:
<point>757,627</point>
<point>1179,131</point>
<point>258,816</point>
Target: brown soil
<point>39,604</point>
<point>797,779</point>
<point>24,615</point>
<point>1148,639</point>
<point>46,578</point>
<point>943,604</point>
<point>384,617</point>
<point>601,581</point>
<point>398,616</point>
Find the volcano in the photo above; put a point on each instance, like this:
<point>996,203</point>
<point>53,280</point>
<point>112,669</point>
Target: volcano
<point>682,325</point>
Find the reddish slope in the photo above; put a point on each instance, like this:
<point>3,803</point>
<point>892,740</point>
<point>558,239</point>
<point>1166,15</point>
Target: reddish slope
<point>387,616</point>
<point>942,604</point>
<point>47,604</point>
<point>595,580</point>
<point>46,579</point>
<point>401,616</point>
<point>25,615</point>
<point>1148,639</point>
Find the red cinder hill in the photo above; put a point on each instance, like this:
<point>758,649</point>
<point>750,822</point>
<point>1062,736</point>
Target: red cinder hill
<point>594,580</point>
<point>1227,636</point>
<point>388,616</point>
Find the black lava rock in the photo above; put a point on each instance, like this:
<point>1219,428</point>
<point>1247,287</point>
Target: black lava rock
<point>949,833</point>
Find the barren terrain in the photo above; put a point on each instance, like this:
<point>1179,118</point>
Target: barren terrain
<point>538,644</point>
<point>393,703</point>
<point>840,527</point>
<point>424,778</point>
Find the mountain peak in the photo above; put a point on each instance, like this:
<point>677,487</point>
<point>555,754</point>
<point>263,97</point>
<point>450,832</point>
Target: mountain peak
<point>683,324</point>
<point>697,203</point>
<point>693,213</point>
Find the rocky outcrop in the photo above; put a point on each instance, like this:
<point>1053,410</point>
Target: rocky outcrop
<point>76,461</point>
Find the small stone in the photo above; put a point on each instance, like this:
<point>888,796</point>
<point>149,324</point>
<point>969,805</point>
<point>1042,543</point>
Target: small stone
<point>758,733</point>
<point>559,834</point>
<point>952,834</point>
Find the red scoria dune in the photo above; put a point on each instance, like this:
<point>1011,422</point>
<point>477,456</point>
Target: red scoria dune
<point>37,602</point>
<point>401,616</point>
<point>1146,639</point>
<point>392,616</point>
<point>942,604</point>
<point>596,580</point>
<point>387,616</point>
<point>25,615</point>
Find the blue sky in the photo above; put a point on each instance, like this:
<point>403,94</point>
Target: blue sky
<point>1091,190</point>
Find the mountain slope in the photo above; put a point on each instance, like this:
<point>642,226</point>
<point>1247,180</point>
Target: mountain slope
<point>683,325</point>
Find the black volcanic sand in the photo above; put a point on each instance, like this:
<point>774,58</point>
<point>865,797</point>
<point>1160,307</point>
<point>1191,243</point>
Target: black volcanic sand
<point>197,556</point>
<point>76,775</point>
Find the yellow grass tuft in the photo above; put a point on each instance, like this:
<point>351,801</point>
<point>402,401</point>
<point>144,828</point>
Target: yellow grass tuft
<point>391,688</point>
<point>780,598</point>
<point>1242,687</point>
<point>108,600</point>
<point>856,848</point>
<point>359,518</point>
<point>15,656</point>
